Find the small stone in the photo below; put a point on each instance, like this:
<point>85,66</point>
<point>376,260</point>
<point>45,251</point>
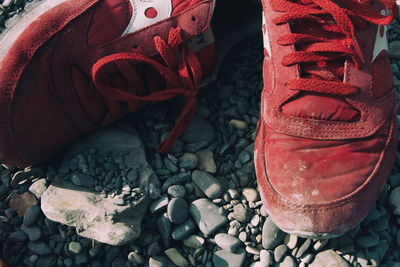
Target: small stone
<point>159,204</point>
<point>38,187</point>
<point>234,194</point>
<point>238,124</point>
<point>241,213</point>
<point>34,232</point>
<point>176,257</point>
<point>226,258</point>
<point>206,215</point>
<point>135,258</point>
<point>328,258</point>
<point>39,248</point>
<point>252,250</point>
<point>20,203</point>
<point>118,262</point>
<point>112,253</point>
<point>75,248</point>
<point>394,199</point>
<point>394,49</point>
<point>32,215</point>
<point>81,259</point>
<point>82,180</point>
<point>68,262</point>
<point>243,236</point>
<point>177,210</point>
<point>206,161</point>
<point>280,252</point>
<point>288,261</point>
<point>48,261</point>
<point>183,230</point>
<point>250,194</point>
<point>227,242</point>
<point>177,191</point>
<point>164,227</point>
<point>194,241</point>
<point>271,234</point>
<point>266,257</point>
<point>367,241</point>
<point>157,261</point>
<point>211,187</point>
<point>255,220</point>
<point>153,249</point>
<point>18,236</point>
<point>200,130</point>
<point>188,161</point>
<point>290,241</point>
<point>303,248</point>
<point>320,244</point>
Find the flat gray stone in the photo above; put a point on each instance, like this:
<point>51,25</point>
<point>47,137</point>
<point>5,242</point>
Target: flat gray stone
<point>178,191</point>
<point>38,187</point>
<point>188,161</point>
<point>206,161</point>
<point>32,215</point>
<point>94,216</point>
<point>225,258</point>
<point>227,242</point>
<point>183,230</point>
<point>271,234</point>
<point>177,210</point>
<point>328,258</point>
<point>207,183</point>
<point>39,248</point>
<point>200,130</point>
<point>288,261</point>
<point>206,215</point>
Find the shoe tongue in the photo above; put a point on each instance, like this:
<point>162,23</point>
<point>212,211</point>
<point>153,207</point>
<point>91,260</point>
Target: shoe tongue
<point>115,18</point>
<point>317,106</point>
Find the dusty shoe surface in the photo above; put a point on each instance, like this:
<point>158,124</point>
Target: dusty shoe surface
<point>69,67</point>
<point>326,139</point>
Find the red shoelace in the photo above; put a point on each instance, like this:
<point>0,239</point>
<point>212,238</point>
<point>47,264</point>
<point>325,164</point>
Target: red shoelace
<point>324,35</point>
<point>181,71</point>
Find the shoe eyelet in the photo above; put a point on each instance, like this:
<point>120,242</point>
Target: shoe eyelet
<point>193,18</point>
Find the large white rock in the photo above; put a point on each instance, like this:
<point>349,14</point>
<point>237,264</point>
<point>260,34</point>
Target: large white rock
<point>93,216</point>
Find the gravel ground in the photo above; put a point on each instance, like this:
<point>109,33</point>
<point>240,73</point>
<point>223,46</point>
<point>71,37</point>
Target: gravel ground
<point>210,170</point>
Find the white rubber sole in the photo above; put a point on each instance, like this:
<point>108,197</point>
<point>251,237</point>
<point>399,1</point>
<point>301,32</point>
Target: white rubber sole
<point>20,22</point>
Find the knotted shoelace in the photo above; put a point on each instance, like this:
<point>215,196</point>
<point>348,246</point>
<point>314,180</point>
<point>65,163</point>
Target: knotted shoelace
<point>324,35</point>
<point>181,71</point>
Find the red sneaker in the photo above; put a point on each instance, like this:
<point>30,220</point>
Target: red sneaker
<point>327,136</point>
<point>69,67</point>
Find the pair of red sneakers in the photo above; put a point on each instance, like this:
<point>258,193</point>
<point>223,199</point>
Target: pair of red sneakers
<point>326,138</point>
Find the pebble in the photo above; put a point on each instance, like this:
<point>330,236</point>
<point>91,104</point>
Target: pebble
<point>194,241</point>
<point>119,262</point>
<point>48,261</point>
<point>177,191</point>
<point>226,258</point>
<point>280,252</point>
<point>250,194</point>
<point>84,180</point>
<point>177,210</point>
<point>394,200</point>
<point>227,242</point>
<point>176,257</point>
<point>183,230</point>
<point>39,248</point>
<point>75,248</point>
<point>242,236</point>
<point>367,241</point>
<point>164,227</point>
<point>320,244</point>
<point>34,232</point>
<point>159,204</point>
<point>135,258</point>
<point>154,249</point>
<point>303,248</point>
<point>252,250</point>
<point>328,258</point>
<point>241,213</point>
<point>112,253</point>
<point>394,49</point>
<point>290,241</point>
<point>238,124</point>
<point>188,161</point>
<point>31,215</point>
<point>234,194</point>
<point>206,215</point>
<point>200,130</point>
<point>266,257</point>
<point>207,183</point>
<point>158,261</point>
<point>288,261</point>
<point>20,203</point>
<point>38,187</point>
<point>206,161</point>
<point>271,234</point>
<point>18,236</point>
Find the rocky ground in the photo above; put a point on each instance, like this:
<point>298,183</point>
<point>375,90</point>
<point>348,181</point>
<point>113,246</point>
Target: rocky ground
<point>205,211</point>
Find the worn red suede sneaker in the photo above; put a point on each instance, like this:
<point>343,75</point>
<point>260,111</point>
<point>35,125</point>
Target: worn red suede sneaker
<point>69,67</point>
<point>327,135</point>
